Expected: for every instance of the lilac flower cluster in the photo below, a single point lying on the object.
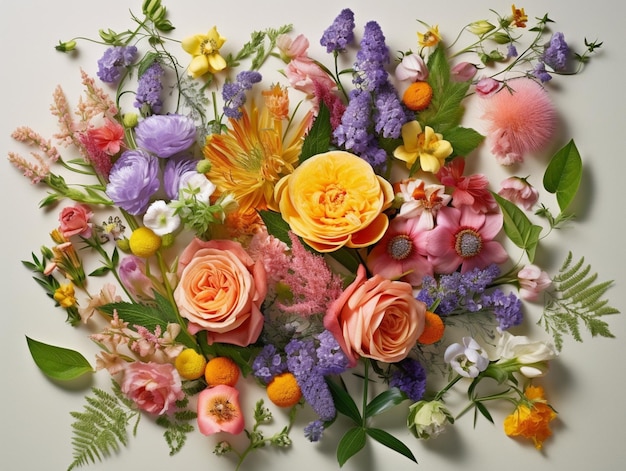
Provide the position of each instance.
(149, 87)
(234, 93)
(113, 60)
(506, 308)
(554, 56)
(410, 378)
(268, 363)
(374, 109)
(341, 33)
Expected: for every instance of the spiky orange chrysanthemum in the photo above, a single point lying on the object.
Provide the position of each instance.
(249, 158)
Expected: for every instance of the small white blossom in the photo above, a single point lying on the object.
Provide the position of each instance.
(467, 359)
(161, 219)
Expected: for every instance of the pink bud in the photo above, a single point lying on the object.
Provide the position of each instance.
(487, 86)
(463, 71)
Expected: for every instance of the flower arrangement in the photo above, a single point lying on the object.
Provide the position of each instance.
(302, 232)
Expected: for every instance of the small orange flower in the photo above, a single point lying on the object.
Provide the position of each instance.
(277, 101)
(433, 329)
(418, 96)
(221, 370)
(519, 17)
(531, 419)
(284, 390)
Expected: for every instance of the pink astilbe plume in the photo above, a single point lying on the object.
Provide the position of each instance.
(521, 119)
(96, 102)
(61, 109)
(313, 285)
(40, 168)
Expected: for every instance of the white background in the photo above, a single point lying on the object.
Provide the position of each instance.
(586, 385)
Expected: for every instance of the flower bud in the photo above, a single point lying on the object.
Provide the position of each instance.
(66, 46)
(480, 28)
(203, 166)
(130, 120)
(427, 419)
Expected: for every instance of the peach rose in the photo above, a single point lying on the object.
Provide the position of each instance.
(75, 220)
(154, 387)
(221, 290)
(376, 318)
(333, 200)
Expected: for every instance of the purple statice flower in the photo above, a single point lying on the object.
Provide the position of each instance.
(176, 170)
(353, 133)
(301, 362)
(149, 87)
(268, 363)
(371, 59)
(330, 357)
(313, 431)
(410, 378)
(133, 179)
(341, 33)
(556, 53)
(506, 308)
(234, 93)
(540, 72)
(113, 60)
(165, 135)
(389, 113)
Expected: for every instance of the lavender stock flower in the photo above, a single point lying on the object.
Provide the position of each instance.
(341, 33)
(410, 378)
(234, 93)
(555, 55)
(133, 180)
(149, 87)
(165, 135)
(114, 59)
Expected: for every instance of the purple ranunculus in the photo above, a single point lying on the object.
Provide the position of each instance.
(165, 135)
(134, 178)
(113, 59)
(174, 172)
(557, 52)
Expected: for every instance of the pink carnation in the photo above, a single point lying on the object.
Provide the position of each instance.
(154, 387)
(74, 220)
(521, 119)
(519, 191)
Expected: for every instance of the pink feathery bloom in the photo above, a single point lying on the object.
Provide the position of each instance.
(61, 109)
(521, 119)
(519, 191)
(488, 86)
(97, 101)
(40, 169)
(74, 220)
(332, 101)
(470, 190)
(273, 254)
(532, 282)
(312, 284)
(401, 253)
(421, 201)
(463, 71)
(153, 387)
(219, 410)
(464, 238)
(99, 160)
(108, 138)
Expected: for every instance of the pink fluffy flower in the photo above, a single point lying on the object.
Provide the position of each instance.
(154, 387)
(464, 238)
(219, 410)
(470, 190)
(532, 281)
(401, 253)
(521, 119)
(519, 191)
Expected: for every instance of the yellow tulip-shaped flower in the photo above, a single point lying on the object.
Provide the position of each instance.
(426, 145)
(205, 51)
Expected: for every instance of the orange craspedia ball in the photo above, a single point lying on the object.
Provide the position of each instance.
(433, 329)
(221, 370)
(284, 391)
(418, 96)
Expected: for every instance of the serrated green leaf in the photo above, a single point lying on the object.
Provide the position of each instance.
(518, 227)
(385, 438)
(384, 401)
(463, 140)
(344, 402)
(350, 444)
(563, 174)
(58, 362)
(317, 140)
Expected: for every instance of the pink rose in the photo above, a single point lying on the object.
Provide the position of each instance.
(221, 290)
(376, 318)
(154, 387)
(74, 220)
(519, 191)
(303, 73)
(532, 282)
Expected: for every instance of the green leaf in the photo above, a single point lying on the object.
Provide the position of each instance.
(384, 401)
(317, 140)
(57, 362)
(463, 140)
(276, 226)
(344, 402)
(518, 227)
(385, 438)
(350, 444)
(563, 174)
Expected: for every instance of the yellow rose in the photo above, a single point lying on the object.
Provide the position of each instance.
(333, 200)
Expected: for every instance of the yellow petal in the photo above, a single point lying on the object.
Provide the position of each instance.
(216, 62)
(401, 153)
(410, 131)
(430, 163)
(198, 66)
(191, 44)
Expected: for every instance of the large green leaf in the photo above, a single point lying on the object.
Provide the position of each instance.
(518, 227)
(344, 402)
(384, 401)
(58, 362)
(463, 140)
(318, 138)
(381, 436)
(276, 226)
(563, 174)
(350, 444)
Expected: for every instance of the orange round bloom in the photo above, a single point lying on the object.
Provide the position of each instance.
(284, 390)
(221, 370)
(333, 200)
(532, 418)
(418, 96)
(433, 329)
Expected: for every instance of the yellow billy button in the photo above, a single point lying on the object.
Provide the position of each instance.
(284, 391)
(190, 364)
(221, 370)
(144, 243)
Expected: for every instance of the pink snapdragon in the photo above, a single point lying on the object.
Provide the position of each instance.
(154, 387)
(533, 281)
(519, 191)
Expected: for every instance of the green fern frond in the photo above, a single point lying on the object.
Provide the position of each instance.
(102, 427)
(577, 299)
(177, 426)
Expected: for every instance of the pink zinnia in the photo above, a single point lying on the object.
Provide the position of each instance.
(401, 253)
(521, 119)
(464, 238)
(470, 190)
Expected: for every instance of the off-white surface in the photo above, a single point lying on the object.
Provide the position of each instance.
(586, 385)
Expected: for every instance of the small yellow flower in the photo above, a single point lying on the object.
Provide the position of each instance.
(426, 145)
(519, 17)
(64, 295)
(205, 52)
(144, 242)
(190, 364)
(430, 37)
